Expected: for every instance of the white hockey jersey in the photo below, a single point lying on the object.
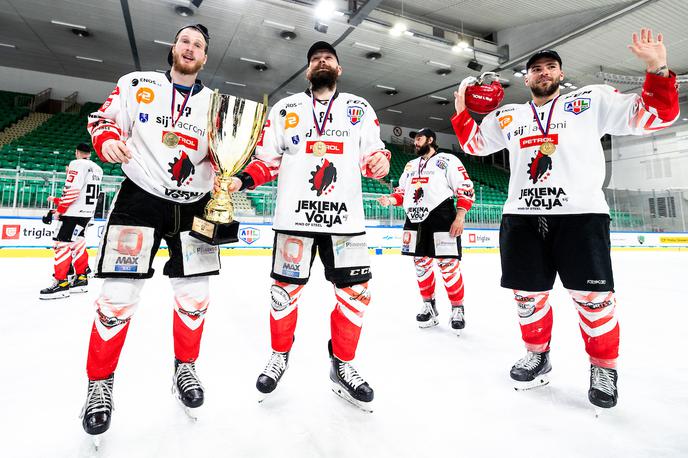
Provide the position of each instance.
(318, 191)
(139, 112)
(425, 184)
(81, 189)
(570, 180)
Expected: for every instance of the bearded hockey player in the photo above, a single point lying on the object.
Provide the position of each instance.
(433, 227)
(154, 124)
(556, 219)
(319, 142)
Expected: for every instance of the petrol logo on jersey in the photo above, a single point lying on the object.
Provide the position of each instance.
(332, 147)
(355, 114)
(182, 169)
(184, 140)
(323, 178)
(577, 106)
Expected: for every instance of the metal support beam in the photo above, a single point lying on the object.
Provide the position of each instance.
(363, 12)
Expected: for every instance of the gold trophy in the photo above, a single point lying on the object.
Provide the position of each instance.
(234, 126)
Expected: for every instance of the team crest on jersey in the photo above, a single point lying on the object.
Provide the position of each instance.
(355, 114)
(418, 195)
(441, 164)
(182, 169)
(295, 139)
(539, 168)
(323, 178)
(143, 117)
(577, 106)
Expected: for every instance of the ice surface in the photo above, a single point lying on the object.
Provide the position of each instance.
(436, 394)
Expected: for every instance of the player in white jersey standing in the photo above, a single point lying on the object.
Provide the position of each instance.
(74, 211)
(155, 125)
(434, 224)
(556, 219)
(319, 142)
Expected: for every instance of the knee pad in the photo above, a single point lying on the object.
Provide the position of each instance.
(284, 298)
(191, 295)
(118, 300)
(532, 305)
(423, 266)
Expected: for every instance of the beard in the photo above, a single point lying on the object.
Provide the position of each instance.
(185, 69)
(423, 149)
(546, 91)
(323, 77)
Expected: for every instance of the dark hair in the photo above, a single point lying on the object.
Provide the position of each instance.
(84, 148)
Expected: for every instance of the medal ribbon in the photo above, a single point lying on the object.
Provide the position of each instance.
(318, 128)
(181, 110)
(545, 132)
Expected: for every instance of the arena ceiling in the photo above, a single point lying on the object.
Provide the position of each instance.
(126, 35)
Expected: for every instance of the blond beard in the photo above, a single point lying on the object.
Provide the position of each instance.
(185, 69)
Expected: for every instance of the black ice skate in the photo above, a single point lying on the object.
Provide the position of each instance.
(602, 392)
(187, 387)
(531, 371)
(457, 322)
(58, 290)
(98, 408)
(271, 375)
(79, 284)
(348, 384)
(428, 315)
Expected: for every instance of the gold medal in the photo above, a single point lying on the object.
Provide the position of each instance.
(170, 139)
(417, 184)
(319, 149)
(548, 148)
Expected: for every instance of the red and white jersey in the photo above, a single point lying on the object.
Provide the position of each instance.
(318, 191)
(81, 189)
(139, 112)
(570, 180)
(425, 184)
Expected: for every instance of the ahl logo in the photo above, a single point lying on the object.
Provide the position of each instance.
(249, 234)
(181, 169)
(143, 117)
(323, 178)
(11, 231)
(577, 106)
(355, 114)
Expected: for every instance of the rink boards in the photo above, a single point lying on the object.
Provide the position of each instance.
(28, 236)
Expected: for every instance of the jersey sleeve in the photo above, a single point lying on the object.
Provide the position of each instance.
(264, 167)
(110, 120)
(656, 108)
(398, 194)
(478, 140)
(370, 142)
(461, 184)
(75, 181)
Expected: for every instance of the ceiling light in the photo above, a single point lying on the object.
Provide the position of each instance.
(434, 63)
(386, 87)
(435, 118)
(438, 97)
(391, 92)
(260, 67)
(235, 84)
(443, 102)
(561, 87)
(164, 43)
(394, 111)
(524, 71)
(160, 71)
(90, 59)
(7, 45)
(287, 35)
(253, 61)
(373, 55)
(291, 93)
(183, 11)
(573, 87)
(277, 25)
(324, 10)
(67, 24)
(320, 27)
(443, 71)
(365, 46)
(81, 33)
(518, 74)
(398, 29)
(567, 84)
(460, 45)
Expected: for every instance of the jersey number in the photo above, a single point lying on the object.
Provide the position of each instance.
(92, 192)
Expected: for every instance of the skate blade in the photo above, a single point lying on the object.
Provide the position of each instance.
(428, 324)
(260, 397)
(342, 393)
(91, 446)
(47, 297)
(79, 289)
(537, 382)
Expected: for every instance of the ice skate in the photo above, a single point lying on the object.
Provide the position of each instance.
(531, 371)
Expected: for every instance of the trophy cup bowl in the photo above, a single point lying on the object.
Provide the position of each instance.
(234, 126)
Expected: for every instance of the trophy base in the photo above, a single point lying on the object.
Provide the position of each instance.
(214, 233)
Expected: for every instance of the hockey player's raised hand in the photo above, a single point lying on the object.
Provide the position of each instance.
(460, 94)
(376, 166)
(649, 50)
(115, 151)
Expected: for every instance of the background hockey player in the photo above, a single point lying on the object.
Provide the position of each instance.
(74, 210)
(319, 142)
(556, 219)
(434, 224)
(155, 125)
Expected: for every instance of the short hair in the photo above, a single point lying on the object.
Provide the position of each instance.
(84, 148)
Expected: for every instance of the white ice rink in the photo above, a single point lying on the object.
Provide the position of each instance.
(436, 395)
